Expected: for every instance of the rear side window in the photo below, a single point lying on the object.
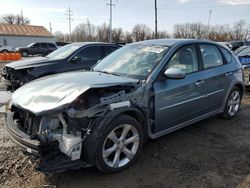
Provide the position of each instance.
(43, 45)
(227, 54)
(109, 49)
(51, 45)
(211, 56)
(92, 53)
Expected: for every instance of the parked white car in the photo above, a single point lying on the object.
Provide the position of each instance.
(6, 48)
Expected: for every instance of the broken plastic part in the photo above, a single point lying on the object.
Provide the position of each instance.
(119, 105)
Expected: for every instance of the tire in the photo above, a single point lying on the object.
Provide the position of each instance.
(5, 51)
(24, 53)
(115, 152)
(233, 103)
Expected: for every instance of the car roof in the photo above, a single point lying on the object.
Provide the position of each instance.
(173, 42)
(93, 43)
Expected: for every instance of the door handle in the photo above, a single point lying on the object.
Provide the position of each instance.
(228, 73)
(199, 82)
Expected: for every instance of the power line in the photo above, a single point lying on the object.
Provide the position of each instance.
(69, 17)
(156, 34)
(194, 7)
(110, 4)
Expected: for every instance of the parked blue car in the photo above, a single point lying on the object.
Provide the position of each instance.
(142, 91)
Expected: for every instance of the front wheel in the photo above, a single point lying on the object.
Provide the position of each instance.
(233, 103)
(119, 145)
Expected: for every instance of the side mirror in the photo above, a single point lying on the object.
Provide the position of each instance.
(175, 73)
(75, 59)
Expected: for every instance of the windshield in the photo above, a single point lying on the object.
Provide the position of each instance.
(64, 51)
(135, 60)
(30, 45)
(245, 52)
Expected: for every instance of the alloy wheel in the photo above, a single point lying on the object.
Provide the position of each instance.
(120, 146)
(234, 103)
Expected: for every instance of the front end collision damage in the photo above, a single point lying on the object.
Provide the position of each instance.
(60, 134)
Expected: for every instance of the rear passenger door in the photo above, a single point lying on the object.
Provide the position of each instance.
(215, 79)
(43, 48)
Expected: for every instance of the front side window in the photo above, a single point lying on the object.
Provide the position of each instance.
(211, 56)
(35, 45)
(91, 53)
(134, 60)
(65, 51)
(186, 59)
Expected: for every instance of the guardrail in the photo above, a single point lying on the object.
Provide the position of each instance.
(10, 56)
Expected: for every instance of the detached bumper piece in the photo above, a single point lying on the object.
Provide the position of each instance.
(60, 164)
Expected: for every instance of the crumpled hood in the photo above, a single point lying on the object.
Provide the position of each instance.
(32, 62)
(52, 92)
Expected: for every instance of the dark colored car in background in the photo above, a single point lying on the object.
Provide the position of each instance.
(236, 44)
(39, 48)
(71, 57)
(143, 90)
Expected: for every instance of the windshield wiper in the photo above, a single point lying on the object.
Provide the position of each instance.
(106, 72)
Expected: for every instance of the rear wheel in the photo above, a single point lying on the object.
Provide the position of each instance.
(119, 145)
(233, 103)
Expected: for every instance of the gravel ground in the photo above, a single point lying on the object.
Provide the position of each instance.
(211, 153)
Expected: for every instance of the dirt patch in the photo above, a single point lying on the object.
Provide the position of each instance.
(212, 153)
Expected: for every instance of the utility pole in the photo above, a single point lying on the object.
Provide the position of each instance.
(156, 34)
(208, 22)
(50, 27)
(88, 25)
(22, 17)
(110, 4)
(69, 17)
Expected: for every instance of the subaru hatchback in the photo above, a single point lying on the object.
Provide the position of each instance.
(142, 91)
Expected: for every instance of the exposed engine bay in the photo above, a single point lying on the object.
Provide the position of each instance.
(64, 132)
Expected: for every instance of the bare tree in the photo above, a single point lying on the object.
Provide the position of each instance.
(117, 35)
(59, 36)
(239, 29)
(14, 19)
(141, 32)
(128, 37)
(103, 33)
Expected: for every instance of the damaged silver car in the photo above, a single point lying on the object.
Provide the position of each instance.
(143, 90)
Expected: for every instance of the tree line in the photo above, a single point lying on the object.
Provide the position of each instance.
(88, 32)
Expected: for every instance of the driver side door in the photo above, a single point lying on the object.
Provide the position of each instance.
(179, 100)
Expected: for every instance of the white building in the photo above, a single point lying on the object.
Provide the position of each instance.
(22, 35)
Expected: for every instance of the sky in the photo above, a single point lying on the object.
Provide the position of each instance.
(127, 13)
